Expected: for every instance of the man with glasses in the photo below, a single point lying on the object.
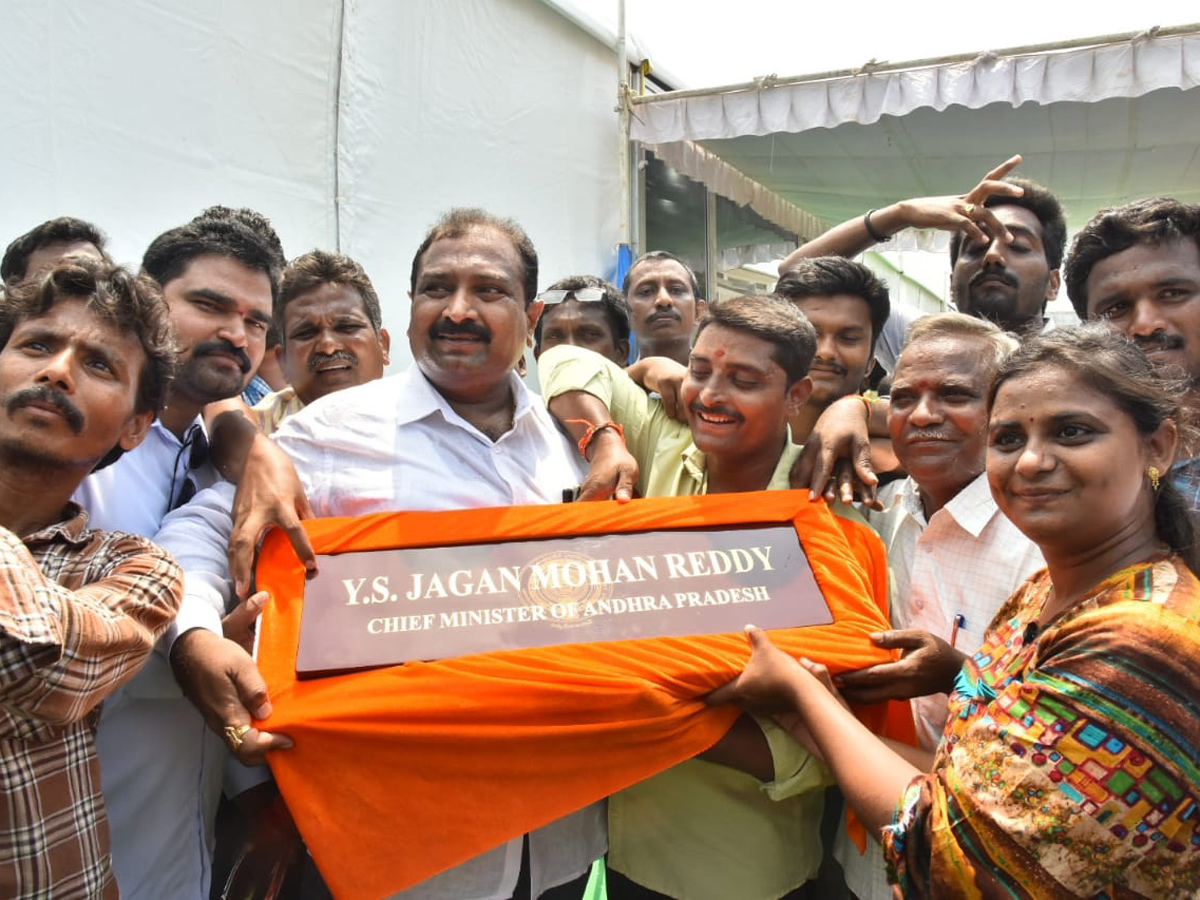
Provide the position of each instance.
(584, 311)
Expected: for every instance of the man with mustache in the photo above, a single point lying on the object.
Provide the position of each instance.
(86, 355)
(848, 306)
(333, 336)
(1006, 245)
(953, 557)
(747, 377)
(1137, 267)
(161, 769)
(664, 302)
(457, 430)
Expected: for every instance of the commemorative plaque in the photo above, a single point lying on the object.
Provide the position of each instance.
(384, 607)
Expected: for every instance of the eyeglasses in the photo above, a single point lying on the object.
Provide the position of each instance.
(583, 295)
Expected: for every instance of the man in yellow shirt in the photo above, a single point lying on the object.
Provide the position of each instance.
(702, 830)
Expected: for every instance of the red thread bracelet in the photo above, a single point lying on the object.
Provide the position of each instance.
(593, 429)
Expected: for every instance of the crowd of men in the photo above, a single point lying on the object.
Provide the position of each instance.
(135, 483)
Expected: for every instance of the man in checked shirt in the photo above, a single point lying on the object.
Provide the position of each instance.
(85, 357)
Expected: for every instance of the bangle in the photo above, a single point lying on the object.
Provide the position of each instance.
(593, 429)
(875, 235)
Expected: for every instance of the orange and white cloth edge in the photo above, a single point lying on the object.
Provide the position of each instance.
(402, 772)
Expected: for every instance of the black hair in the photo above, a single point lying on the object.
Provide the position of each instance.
(1155, 220)
(1114, 367)
(661, 255)
(1044, 205)
(169, 255)
(774, 319)
(460, 222)
(132, 303)
(63, 230)
(616, 310)
(318, 267)
(828, 276)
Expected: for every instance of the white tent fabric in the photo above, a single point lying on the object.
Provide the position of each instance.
(1128, 68)
(351, 125)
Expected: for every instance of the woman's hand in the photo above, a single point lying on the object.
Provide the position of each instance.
(793, 723)
(768, 683)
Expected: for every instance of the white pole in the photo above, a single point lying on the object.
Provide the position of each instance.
(623, 118)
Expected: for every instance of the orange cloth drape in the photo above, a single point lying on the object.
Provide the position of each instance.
(401, 772)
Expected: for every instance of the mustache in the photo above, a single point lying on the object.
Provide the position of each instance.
(667, 313)
(53, 396)
(1159, 340)
(318, 359)
(211, 348)
(1003, 274)
(467, 328)
(829, 365)
(698, 407)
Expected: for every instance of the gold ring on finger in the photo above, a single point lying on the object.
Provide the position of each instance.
(234, 736)
(970, 209)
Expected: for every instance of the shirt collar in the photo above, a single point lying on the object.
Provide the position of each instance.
(695, 464)
(72, 528)
(972, 507)
(416, 397)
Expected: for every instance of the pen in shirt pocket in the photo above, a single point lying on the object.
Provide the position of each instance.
(960, 621)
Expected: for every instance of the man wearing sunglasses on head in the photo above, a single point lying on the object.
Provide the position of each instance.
(584, 311)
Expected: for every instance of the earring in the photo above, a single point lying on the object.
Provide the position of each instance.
(1155, 477)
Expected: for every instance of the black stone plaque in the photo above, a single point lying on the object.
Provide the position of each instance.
(383, 607)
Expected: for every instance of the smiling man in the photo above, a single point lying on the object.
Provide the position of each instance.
(664, 301)
(953, 557)
(848, 306)
(701, 830)
(85, 359)
(457, 430)
(333, 336)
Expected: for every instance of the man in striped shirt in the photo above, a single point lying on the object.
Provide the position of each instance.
(85, 357)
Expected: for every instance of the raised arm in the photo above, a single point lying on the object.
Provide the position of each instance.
(956, 212)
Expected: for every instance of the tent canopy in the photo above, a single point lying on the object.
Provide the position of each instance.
(1099, 120)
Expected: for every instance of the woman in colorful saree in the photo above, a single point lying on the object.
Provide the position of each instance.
(1071, 762)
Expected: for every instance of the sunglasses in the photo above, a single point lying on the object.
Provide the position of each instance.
(583, 295)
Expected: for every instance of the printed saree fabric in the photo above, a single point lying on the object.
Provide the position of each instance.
(1071, 762)
(401, 772)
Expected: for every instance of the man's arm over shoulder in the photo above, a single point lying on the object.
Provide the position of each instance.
(63, 651)
(565, 369)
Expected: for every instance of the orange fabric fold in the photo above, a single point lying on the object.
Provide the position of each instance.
(401, 772)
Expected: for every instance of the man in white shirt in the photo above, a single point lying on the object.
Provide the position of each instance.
(953, 557)
(458, 429)
(160, 767)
